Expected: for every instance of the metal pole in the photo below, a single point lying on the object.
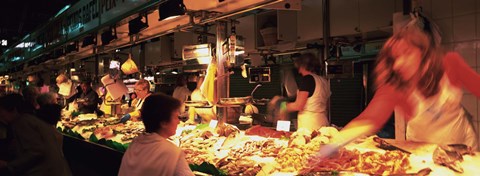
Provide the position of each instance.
(326, 43)
(222, 80)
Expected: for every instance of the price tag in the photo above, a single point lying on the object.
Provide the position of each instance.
(213, 124)
(283, 125)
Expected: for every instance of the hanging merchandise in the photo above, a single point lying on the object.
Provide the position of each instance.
(129, 66)
(115, 87)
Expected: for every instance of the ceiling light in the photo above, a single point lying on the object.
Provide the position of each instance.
(136, 25)
(171, 9)
(89, 40)
(108, 35)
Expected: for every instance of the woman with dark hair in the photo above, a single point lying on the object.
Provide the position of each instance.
(423, 85)
(152, 153)
(312, 95)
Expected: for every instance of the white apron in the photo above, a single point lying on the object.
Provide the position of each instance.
(314, 114)
(441, 119)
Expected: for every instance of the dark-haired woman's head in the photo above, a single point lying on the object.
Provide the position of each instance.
(306, 63)
(410, 58)
(10, 106)
(50, 113)
(160, 114)
(181, 81)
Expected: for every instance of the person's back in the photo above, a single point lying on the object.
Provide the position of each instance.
(150, 154)
(38, 150)
(34, 148)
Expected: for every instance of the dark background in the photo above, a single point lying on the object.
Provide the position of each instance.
(20, 17)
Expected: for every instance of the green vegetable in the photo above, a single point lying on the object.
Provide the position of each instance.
(208, 169)
(75, 114)
(202, 126)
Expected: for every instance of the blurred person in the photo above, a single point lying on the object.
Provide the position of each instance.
(46, 98)
(421, 83)
(142, 91)
(312, 95)
(206, 114)
(34, 149)
(152, 153)
(88, 99)
(30, 94)
(181, 92)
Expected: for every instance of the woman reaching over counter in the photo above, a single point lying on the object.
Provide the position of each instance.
(416, 79)
(152, 153)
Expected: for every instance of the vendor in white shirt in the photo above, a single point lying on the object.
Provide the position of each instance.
(142, 90)
(181, 92)
(312, 96)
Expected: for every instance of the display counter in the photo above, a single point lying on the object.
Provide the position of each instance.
(258, 150)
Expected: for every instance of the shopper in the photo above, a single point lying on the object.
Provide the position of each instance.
(152, 153)
(35, 150)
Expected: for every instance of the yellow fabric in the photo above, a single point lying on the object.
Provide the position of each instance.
(208, 86)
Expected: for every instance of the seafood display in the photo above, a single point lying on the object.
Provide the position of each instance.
(390, 162)
(264, 151)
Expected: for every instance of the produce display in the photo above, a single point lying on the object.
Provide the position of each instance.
(258, 150)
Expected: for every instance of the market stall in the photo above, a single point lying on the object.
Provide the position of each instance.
(265, 151)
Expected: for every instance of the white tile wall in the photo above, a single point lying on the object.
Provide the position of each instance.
(446, 29)
(441, 8)
(427, 7)
(468, 51)
(459, 21)
(462, 7)
(464, 28)
(478, 53)
(477, 24)
(478, 6)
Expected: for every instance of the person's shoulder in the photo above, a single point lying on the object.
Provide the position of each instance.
(451, 58)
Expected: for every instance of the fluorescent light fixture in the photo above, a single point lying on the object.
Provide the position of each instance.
(25, 45)
(204, 60)
(149, 78)
(37, 47)
(239, 53)
(16, 58)
(62, 10)
(202, 53)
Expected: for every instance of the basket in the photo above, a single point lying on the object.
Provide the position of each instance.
(269, 35)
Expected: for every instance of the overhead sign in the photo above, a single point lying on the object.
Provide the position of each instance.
(88, 14)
